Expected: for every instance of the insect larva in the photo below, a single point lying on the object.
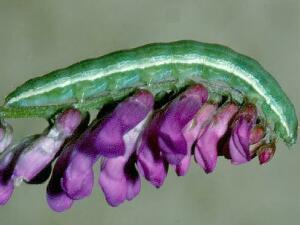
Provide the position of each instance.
(156, 67)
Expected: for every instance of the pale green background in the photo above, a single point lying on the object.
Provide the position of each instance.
(39, 36)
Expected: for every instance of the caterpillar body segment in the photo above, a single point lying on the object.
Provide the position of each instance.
(158, 68)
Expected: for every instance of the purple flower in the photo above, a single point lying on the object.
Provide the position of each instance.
(239, 142)
(191, 133)
(78, 176)
(5, 135)
(108, 139)
(150, 162)
(206, 152)
(57, 199)
(265, 153)
(174, 118)
(6, 184)
(119, 178)
(6, 191)
(7, 165)
(67, 122)
(42, 151)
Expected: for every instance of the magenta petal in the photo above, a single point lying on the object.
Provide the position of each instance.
(206, 152)
(152, 166)
(128, 116)
(132, 178)
(7, 166)
(68, 121)
(133, 186)
(107, 138)
(182, 168)
(191, 132)
(5, 135)
(43, 150)
(239, 152)
(35, 159)
(57, 199)
(174, 118)
(266, 153)
(6, 191)
(6, 183)
(239, 142)
(77, 175)
(113, 181)
(78, 178)
(119, 178)
(75, 169)
(150, 162)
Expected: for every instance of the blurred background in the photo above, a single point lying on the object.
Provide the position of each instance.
(37, 37)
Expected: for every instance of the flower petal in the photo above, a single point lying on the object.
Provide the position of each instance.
(132, 178)
(206, 152)
(113, 180)
(119, 181)
(119, 178)
(266, 153)
(7, 165)
(150, 161)
(239, 142)
(6, 183)
(78, 177)
(57, 199)
(125, 118)
(43, 150)
(6, 191)
(68, 121)
(192, 131)
(42, 176)
(107, 138)
(174, 118)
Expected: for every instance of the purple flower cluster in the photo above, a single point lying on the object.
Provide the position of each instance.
(133, 140)
(27, 160)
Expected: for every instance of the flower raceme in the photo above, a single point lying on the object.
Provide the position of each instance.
(133, 140)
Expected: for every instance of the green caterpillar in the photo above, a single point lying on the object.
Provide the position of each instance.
(159, 68)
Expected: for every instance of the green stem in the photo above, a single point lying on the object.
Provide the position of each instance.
(40, 111)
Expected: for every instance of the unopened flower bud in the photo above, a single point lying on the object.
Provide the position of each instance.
(265, 153)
